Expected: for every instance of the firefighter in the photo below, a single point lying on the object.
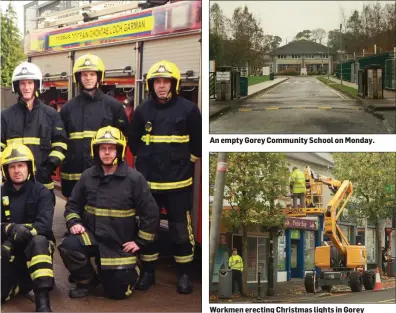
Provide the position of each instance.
(26, 229)
(100, 216)
(84, 115)
(297, 187)
(166, 138)
(34, 124)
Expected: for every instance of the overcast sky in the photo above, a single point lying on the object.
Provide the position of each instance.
(286, 18)
(18, 7)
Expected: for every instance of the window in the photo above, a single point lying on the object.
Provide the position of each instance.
(309, 252)
(281, 253)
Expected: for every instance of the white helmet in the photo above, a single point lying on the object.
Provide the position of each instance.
(26, 70)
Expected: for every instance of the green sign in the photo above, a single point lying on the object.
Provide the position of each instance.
(295, 234)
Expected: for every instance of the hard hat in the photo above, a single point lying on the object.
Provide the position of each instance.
(163, 69)
(88, 62)
(17, 152)
(26, 70)
(109, 135)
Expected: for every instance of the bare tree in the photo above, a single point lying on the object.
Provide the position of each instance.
(318, 34)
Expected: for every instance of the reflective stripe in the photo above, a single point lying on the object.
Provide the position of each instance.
(6, 247)
(44, 272)
(129, 291)
(148, 258)
(147, 236)
(25, 140)
(86, 239)
(3, 145)
(109, 212)
(41, 258)
(75, 176)
(190, 231)
(165, 139)
(166, 186)
(16, 290)
(59, 144)
(8, 226)
(57, 154)
(72, 215)
(118, 261)
(81, 135)
(7, 212)
(33, 232)
(193, 158)
(49, 186)
(184, 259)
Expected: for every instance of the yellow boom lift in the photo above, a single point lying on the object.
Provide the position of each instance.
(340, 262)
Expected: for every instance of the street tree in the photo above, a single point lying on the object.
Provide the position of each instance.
(254, 182)
(11, 50)
(318, 35)
(373, 178)
(217, 34)
(305, 34)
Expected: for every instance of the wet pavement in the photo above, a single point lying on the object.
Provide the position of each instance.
(300, 105)
(162, 297)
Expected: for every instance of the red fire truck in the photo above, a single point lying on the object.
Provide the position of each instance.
(129, 40)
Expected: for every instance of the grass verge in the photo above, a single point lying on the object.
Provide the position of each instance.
(346, 90)
(252, 80)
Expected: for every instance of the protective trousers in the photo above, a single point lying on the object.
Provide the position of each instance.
(26, 267)
(117, 284)
(178, 205)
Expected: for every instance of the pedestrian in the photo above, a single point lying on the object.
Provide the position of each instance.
(27, 240)
(236, 264)
(34, 124)
(166, 138)
(84, 115)
(101, 218)
(297, 187)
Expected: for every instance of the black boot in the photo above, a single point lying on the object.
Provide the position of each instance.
(146, 280)
(82, 290)
(42, 300)
(184, 284)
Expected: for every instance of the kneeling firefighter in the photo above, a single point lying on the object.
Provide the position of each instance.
(100, 215)
(27, 240)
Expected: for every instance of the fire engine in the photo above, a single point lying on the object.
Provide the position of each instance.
(129, 37)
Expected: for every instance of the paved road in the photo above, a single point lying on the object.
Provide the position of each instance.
(365, 297)
(160, 298)
(301, 105)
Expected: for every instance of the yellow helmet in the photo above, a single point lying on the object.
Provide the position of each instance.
(17, 152)
(110, 135)
(163, 69)
(88, 62)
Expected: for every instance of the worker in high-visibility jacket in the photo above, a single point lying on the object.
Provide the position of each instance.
(166, 138)
(101, 217)
(34, 124)
(235, 263)
(27, 240)
(297, 187)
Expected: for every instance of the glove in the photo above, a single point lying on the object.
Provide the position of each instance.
(43, 174)
(19, 234)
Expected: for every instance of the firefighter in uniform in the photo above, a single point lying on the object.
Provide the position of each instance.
(84, 115)
(27, 241)
(34, 124)
(166, 138)
(100, 215)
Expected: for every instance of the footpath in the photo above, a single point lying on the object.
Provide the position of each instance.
(292, 291)
(216, 108)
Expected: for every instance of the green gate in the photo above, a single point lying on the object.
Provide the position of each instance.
(390, 74)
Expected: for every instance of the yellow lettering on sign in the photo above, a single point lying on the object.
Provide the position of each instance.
(130, 27)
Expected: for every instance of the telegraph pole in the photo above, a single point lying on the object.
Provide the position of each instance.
(217, 210)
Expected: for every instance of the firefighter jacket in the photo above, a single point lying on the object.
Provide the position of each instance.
(83, 116)
(166, 140)
(42, 130)
(297, 179)
(107, 205)
(235, 263)
(31, 205)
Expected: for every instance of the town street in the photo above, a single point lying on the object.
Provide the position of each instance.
(300, 105)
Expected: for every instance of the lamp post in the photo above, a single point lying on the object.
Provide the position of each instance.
(341, 51)
(328, 66)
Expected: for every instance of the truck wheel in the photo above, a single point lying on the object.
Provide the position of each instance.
(356, 281)
(311, 283)
(369, 280)
(327, 288)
